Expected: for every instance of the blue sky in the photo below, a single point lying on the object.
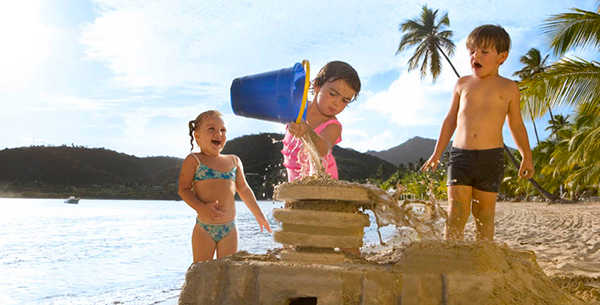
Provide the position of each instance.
(129, 75)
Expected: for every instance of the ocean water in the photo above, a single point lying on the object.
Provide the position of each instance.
(109, 251)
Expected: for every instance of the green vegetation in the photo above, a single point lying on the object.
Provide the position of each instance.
(567, 162)
(59, 172)
(569, 157)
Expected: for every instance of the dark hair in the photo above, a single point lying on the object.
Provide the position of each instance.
(335, 70)
(489, 35)
(193, 124)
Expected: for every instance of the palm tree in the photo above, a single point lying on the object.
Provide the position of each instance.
(428, 34)
(558, 123)
(570, 81)
(574, 82)
(577, 153)
(430, 38)
(534, 64)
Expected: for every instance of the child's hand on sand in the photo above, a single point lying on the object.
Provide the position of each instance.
(212, 210)
(298, 129)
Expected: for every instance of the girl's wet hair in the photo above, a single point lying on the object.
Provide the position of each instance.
(335, 70)
(193, 124)
(487, 36)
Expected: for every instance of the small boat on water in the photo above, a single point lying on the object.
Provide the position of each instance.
(72, 199)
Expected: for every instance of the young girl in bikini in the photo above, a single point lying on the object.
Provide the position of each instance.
(335, 86)
(208, 182)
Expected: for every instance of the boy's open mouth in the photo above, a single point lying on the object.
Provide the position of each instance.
(477, 65)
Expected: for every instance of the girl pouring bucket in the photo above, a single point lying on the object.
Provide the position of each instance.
(281, 96)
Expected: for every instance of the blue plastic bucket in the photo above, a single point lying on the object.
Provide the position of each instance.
(277, 96)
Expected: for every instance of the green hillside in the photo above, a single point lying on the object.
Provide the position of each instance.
(58, 172)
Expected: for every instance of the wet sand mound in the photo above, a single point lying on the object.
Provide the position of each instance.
(430, 272)
(494, 274)
(423, 272)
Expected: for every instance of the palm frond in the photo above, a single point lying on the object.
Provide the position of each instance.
(435, 64)
(584, 176)
(420, 52)
(445, 21)
(424, 64)
(579, 28)
(573, 82)
(446, 43)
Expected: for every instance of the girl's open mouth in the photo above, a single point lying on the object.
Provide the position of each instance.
(216, 142)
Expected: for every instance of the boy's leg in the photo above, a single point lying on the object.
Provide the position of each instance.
(484, 209)
(203, 246)
(459, 207)
(229, 244)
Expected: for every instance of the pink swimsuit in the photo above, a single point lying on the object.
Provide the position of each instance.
(291, 148)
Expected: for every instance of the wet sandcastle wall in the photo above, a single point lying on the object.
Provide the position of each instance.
(310, 269)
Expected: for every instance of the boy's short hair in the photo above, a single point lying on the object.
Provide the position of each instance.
(335, 70)
(489, 35)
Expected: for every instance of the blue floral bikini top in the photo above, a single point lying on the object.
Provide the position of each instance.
(204, 172)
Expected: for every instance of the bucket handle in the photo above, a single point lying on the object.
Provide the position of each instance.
(306, 65)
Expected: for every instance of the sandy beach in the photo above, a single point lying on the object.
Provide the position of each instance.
(564, 237)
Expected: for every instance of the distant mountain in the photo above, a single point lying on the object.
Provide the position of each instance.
(40, 171)
(357, 166)
(56, 172)
(409, 151)
(79, 166)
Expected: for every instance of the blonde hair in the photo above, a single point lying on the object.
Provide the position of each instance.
(193, 124)
(489, 35)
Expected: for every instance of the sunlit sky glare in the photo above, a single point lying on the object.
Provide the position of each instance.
(129, 75)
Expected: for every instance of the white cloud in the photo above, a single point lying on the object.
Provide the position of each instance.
(160, 44)
(407, 102)
(25, 43)
(362, 139)
(74, 103)
(137, 119)
(412, 101)
(151, 66)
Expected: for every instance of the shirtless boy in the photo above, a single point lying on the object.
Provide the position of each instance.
(480, 103)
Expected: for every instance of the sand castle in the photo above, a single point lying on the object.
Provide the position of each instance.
(320, 217)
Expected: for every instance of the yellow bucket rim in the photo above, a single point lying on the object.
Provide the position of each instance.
(306, 66)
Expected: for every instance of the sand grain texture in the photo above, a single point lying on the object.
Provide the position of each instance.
(564, 237)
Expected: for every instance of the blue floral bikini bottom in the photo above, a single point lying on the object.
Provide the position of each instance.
(217, 231)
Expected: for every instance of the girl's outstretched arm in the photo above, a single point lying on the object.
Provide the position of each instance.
(247, 195)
